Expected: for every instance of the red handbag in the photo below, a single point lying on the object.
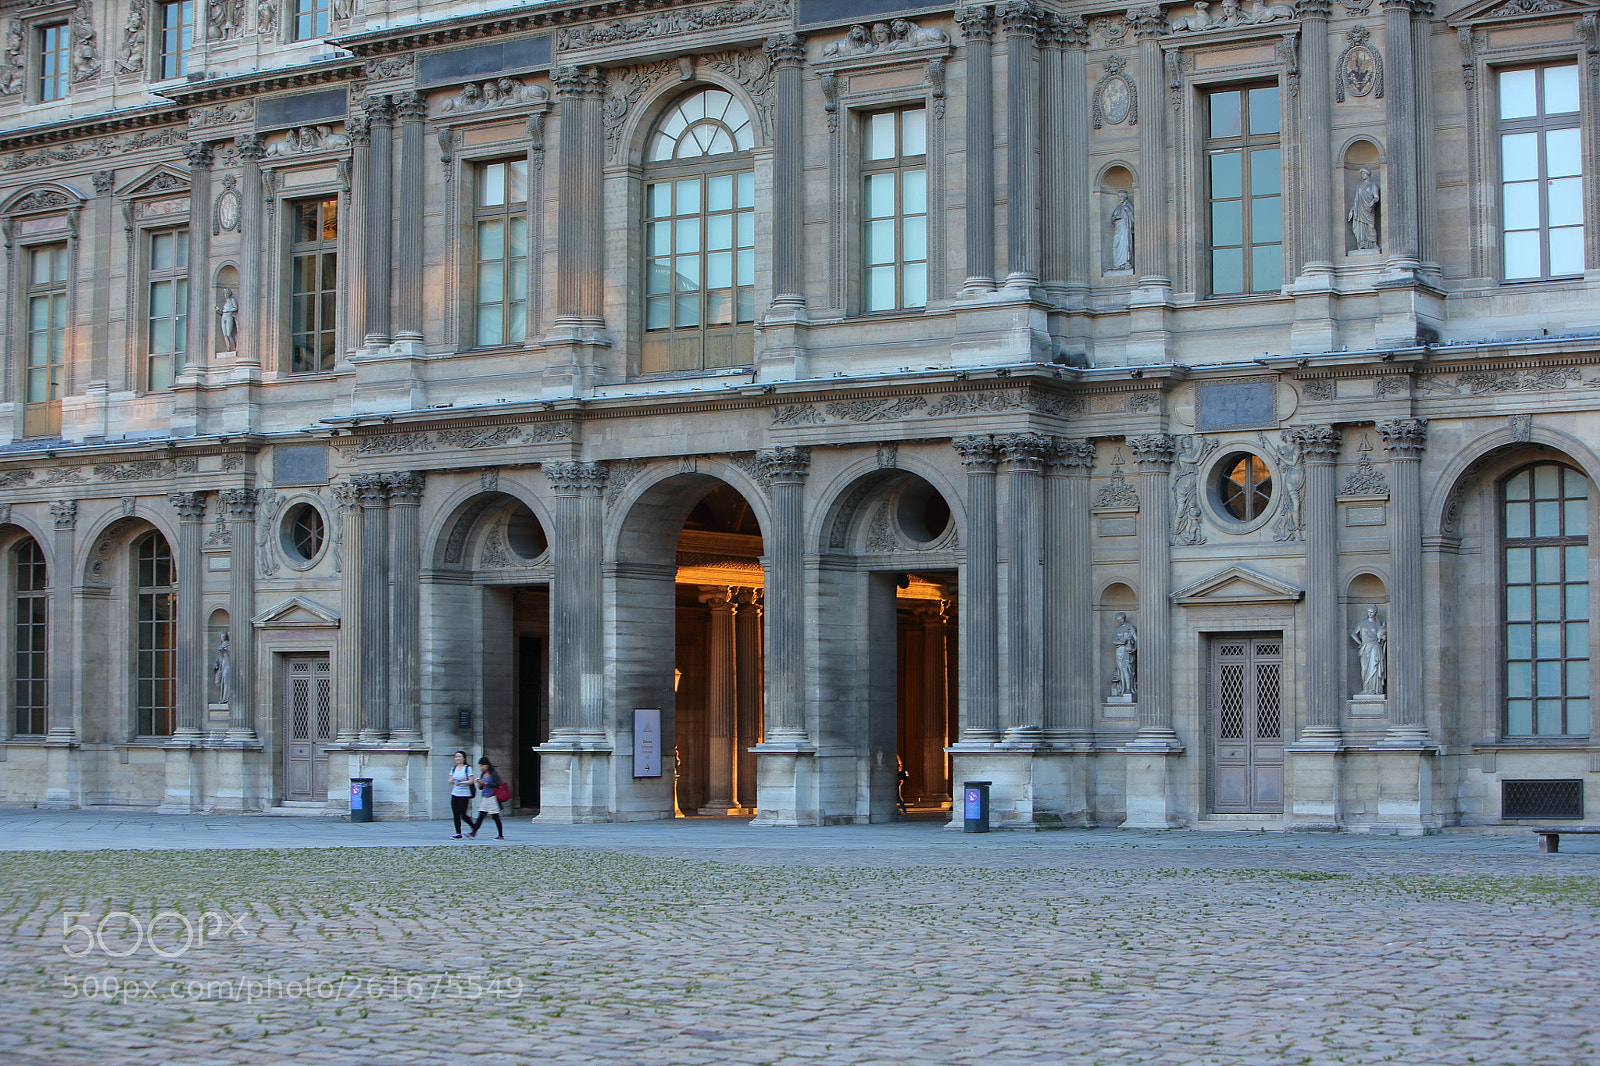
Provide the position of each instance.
(502, 792)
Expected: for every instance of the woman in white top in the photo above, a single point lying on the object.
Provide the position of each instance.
(460, 791)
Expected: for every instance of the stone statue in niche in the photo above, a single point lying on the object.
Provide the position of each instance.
(221, 667)
(228, 318)
(1122, 233)
(1363, 214)
(1125, 645)
(1371, 638)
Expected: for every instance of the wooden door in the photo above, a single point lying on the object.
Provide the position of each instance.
(1247, 724)
(307, 726)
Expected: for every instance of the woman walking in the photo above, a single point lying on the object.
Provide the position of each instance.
(460, 777)
(488, 804)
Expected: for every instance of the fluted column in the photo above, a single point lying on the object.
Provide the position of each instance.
(1069, 667)
(580, 229)
(1405, 439)
(576, 657)
(197, 347)
(405, 499)
(354, 228)
(1022, 459)
(1425, 162)
(1400, 219)
(1152, 456)
(347, 676)
(409, 310)
(1021, 21)
(59, 718)
(980, 593)
(786, 469)
(252, 236)
(1072, 126)
(977, 30)
(747, 668)
(241, 508)
(1325, 655)
(721, 694)
(1154, 258)
(787, 52)
(190, 643)
(1316, 129)
(373, 638)
(1054, 150)
(379, 217)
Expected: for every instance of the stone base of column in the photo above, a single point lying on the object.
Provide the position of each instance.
(183, 779)
(1152, 790)
(783, 345)
(402, 788)
(786, 785)
(574, 784)
(1315, 770)
(1001, 327)
(576, 359)
(1032, 788)
(1149, 325)
(1314, 329)
(239, 779)
(1409, 309)
(1405, 805)
(63, 774)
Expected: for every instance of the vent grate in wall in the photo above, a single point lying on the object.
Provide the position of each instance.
(1541, 799)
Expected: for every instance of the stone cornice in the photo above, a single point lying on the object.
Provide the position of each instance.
(258, 82)
(137, 118)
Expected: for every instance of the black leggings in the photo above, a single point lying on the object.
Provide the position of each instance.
(499, 830)
(458, 809)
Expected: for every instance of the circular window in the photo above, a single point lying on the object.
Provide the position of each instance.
(923, 514)
(303, 533)
(1243, 487)
(525, 536)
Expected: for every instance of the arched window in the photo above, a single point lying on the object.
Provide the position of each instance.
(699, 240)
(156, 675)
(1545, 524)
(29, 685)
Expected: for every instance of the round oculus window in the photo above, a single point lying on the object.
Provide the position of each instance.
(303, 532)
(1243, 487)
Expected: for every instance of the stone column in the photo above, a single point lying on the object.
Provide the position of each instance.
(99, 336)
(379, 219)
(1316, 126)
(1073, 119)
(1325, 652)
(347, 674)
(373, 645)
(1400, 219)
(413, 109)
(1069, 642)
(977, 30)
(1023, 458)
(405, 645)
(60, 721)
(721, 696)
(787, 53)
(1154, 259)
(197, 352)
(1152, 455)
(786, 469)
(1021, 20)
(576, 656)
(241, 508)
(252, 237)
(353, 264)
(935, 700)
(1426, 167)
(980, 593)
(189, 569)
(1405, 439)
(747, 668)
(580, 229)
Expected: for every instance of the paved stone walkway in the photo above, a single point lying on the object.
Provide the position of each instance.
(714, 942)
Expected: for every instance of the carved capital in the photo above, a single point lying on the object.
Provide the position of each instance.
(380, 109)
(191, 506)
(786, 49)
(240, 504)
(716, 597)
(1148, 22)
(359, 130)
(978, 454)
(1076, 456)
(578, 82)
(104, 180)
(977, 23)
(1313, 10)
(1153, 452)
(1404, 438)
(252, 149)
(1020, 18)
(1073, 31)
(1318, 444)
(405, 487)
(412, 107)
(371, 489)
(199, 156)
(785, 466)
(576, 479)
(1023, 452)
(65, 512)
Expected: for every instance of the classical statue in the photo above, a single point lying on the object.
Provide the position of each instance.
(908, 34)
(1125, 639)
(1122, 232)
(855, 42)
(1372, 643)
(1363, 216)
(228, 313)
(221, 666)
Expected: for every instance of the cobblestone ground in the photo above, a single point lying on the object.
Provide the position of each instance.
(1055, 948)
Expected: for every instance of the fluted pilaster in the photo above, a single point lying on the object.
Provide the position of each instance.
(60, 721)
(1022, 457)
(786, 469)
(981, 592)
(240, 505)
(977, 30)
(576, 658)
(1319, 448)
(1400, 217)
(379, 221)
(1152, 456)
(197, 341)
(1154, 258)
(1405, 439)
(405, 498)
(787, 52)
(1316, 129)
(413, 109)
(373, 637)
(190, 644)
(1021, 20)
(1069, 667)
(721, 698)
(252, 238)
(580, 227)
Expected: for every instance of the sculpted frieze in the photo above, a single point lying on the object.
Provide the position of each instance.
(1495, 382)
(305, 139)
(492, 95)
(670, 23)
(1229, 15)
(899, 35)
(95, 149)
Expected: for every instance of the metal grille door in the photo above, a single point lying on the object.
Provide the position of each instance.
(307, 727)
(1247, 725)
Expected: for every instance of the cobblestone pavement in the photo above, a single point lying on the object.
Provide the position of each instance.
(714, 942)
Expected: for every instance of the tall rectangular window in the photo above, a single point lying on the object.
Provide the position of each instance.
(177, 36)
(313, 275)
(53, 62)
(166, 306)
(47, 339)
(1541, 173)
(29, 637)
(894, 209)
(1244, 170)
(157, 668)
(500, 228)
(700, 275)
(310, 19)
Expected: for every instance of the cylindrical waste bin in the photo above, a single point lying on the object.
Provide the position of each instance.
(361, 799)
(975, 806)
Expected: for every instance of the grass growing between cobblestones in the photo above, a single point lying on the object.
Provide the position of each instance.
(576, 955)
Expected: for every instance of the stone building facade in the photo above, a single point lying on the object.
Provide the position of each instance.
(1175, 415)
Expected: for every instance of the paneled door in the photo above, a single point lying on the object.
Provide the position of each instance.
(1247, 724)
(307, 726)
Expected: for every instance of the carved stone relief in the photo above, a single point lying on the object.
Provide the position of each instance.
(494, 94)
(131, 58)
(898, 35)
(1292, 475)
(1116, 96)
(1188, 527)
(1360, 67)
(667, 23)
(304, 139)
(1229, 15)
(14, 73)
(1117, 492)
(224, 19)
(1367, 480)
(95, 149)
(85, 43)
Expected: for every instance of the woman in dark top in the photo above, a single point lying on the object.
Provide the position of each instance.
(488, 781)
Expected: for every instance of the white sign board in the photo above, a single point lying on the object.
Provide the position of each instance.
(646, 742)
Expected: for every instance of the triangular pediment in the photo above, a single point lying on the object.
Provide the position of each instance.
(159, 181)
(1512, 10)
(1237, 585)
(296, 613)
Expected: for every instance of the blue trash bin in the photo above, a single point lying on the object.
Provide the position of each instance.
(975, 806)
(361, 799)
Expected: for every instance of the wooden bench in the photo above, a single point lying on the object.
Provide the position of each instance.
(1550, 839)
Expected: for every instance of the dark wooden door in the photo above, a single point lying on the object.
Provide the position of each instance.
(307, 727)
(1247, 724)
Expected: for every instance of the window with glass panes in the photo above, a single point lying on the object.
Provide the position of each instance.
(1541, 173)
(177, 35)
(894, 209)
(699, 239)
(1245, 190)
(313, 274)
(1545, 510)
(156, 661)
(53, 57)
(310, 19)
(500, 235)
(29, 634)
(166, 306)
(47, 338)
